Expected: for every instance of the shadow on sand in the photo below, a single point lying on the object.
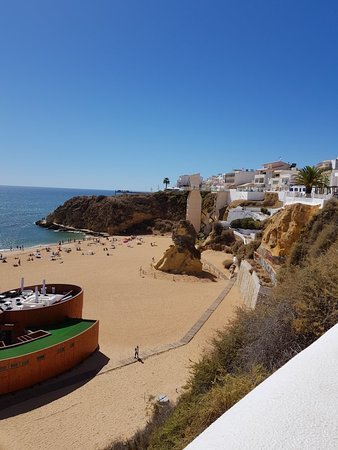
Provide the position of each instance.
(208, 276)
(43, 393)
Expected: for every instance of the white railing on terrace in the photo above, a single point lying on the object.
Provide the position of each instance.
(303, 195)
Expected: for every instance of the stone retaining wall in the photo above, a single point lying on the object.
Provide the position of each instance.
(249, 286)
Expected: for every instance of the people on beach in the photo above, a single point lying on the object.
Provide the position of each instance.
(136, 354)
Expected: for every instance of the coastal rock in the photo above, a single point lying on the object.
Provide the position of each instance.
(219, 239)
(125, 214)
(284, 228)
(182, 257)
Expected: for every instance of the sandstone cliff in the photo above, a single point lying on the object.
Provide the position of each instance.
(182, 257)
(284, 228)
(121, 214)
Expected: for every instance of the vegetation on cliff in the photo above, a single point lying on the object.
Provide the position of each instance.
(122, 214)
(247, 223)
(220, 238)
(257, 342)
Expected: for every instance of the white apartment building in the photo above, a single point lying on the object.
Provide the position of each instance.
(229, 180)
(282, 180)
(238, 177)
(214, 183)
(263, 175)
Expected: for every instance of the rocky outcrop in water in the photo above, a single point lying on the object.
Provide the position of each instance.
(129, 214)
(182, 257)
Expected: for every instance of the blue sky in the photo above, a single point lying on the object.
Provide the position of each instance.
(118, 94)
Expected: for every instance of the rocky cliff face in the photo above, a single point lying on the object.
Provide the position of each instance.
(284, 228)
(120, 214)
(182, 257)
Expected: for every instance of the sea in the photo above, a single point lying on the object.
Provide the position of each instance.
(21, 207)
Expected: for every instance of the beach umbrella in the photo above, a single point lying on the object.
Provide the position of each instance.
(36, 295)
(22, 284)
(43, 290)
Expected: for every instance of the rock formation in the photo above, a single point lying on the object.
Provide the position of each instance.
(182, 257)
(130, 214)
(219, 239)
(284, 228)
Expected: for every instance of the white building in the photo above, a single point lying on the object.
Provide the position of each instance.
(184, 181)
(214, 183)
(282, 180)
(238, 177)
(263, 175)
(331, 166)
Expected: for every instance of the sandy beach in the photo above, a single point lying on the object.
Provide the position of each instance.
(136, 305)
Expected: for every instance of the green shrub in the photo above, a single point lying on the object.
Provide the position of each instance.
(265, 211)
(247, 224)
(217, 228)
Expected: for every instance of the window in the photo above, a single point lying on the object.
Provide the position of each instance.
(61, 350)
(40, 358)
(2, 368)
(14, 365)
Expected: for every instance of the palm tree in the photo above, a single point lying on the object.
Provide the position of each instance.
(166, 181)
(310, 177)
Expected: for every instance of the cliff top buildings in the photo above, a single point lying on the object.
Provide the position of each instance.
(275, 176)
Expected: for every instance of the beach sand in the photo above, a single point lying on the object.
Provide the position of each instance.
(135, 305)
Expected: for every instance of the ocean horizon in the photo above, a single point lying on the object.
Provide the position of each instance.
(22, 206)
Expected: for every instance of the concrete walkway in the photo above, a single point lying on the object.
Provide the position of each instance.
(185, 339)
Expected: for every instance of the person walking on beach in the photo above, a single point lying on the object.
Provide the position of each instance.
(136, 355)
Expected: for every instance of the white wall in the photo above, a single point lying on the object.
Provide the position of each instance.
(248, 283)
(239, 213)
(296, 408)
(289, 198)
(245, 195)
